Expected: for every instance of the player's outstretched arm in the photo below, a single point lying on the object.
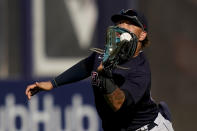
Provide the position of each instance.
(114, 96)
(37, 87)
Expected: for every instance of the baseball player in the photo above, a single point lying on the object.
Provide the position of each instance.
(120, 77)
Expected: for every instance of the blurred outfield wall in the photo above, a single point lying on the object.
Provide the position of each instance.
(172, 57)
(41, 38)
(70, 108)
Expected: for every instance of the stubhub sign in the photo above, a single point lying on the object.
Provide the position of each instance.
(64, 109)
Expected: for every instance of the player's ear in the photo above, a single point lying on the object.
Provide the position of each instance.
(142, 35)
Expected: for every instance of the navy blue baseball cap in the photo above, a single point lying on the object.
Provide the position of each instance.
(133, 16)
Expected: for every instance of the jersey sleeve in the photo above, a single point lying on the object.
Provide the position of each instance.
(77, 72)
(135, 86)
(136, 81)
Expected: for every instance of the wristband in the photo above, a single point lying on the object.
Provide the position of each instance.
(54, 83)
(107, 85)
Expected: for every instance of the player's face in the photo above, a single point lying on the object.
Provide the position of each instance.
(141, 35)
(132, 28)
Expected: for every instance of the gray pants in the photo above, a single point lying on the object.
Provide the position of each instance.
(162, 125)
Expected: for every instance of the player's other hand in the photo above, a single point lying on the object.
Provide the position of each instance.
(37, 87)
(100, 67)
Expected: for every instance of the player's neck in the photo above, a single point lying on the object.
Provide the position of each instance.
(138, 50)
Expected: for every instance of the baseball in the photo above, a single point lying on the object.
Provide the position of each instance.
(125, 36)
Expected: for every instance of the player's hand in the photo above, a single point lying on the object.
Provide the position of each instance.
(100, 67)
(104, 72)
(37, 87)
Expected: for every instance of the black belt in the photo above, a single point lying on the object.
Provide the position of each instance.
(147, 127)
